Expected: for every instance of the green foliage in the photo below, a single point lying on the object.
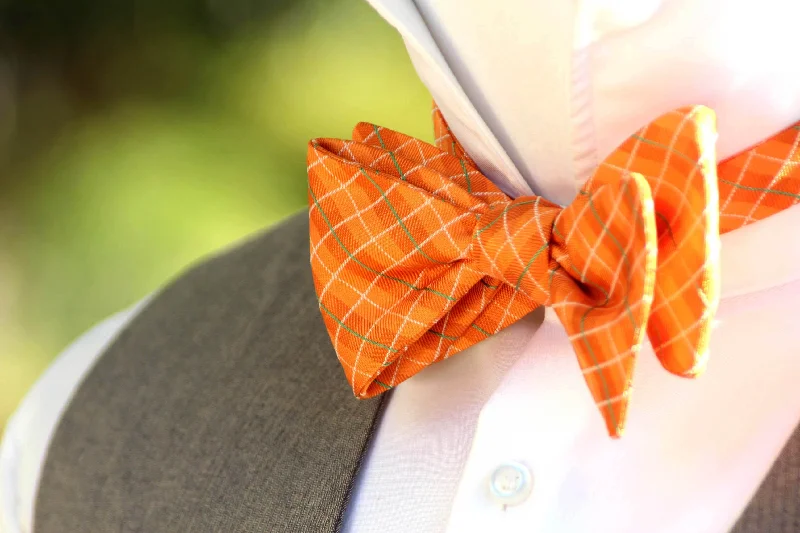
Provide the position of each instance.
(120, 193)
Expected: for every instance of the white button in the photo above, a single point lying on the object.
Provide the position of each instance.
(511, 483)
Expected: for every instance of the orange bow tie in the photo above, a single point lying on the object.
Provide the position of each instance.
(416, 255)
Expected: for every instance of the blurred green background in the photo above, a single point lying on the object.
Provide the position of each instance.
(137, 137)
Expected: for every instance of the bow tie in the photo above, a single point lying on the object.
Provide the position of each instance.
(417, 256)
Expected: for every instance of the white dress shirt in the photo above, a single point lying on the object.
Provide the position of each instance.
(505, 436)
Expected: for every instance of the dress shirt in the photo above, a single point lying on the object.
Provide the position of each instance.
(505, 436)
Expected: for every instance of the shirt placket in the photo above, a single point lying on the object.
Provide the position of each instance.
(525, 433)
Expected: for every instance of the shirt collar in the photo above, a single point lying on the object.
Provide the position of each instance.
(539, 123)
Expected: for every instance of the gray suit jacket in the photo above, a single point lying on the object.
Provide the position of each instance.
(220, 409)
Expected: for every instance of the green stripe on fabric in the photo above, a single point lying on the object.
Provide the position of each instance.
(667, 148)
(625, 259)
(506, 210)
(550, 279)
(442, 335)
(384, 385)
(595, 362)
(357, 334)
(485, 284)
(669, 228)
(591, 283)
(761, 189)
(530, 262)
(464, 168)
(367, 267)
(481, 330)
(400, 220)
(391, 153)
(603, 383)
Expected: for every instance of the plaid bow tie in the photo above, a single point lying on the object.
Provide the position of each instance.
(416, 255)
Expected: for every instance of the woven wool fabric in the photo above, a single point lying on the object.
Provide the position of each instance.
(416, 255)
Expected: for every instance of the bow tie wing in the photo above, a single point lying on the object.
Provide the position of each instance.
(604, 258)
(391, 223)
(676, 154)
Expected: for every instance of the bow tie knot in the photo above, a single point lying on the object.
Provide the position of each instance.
(513, 242)
(526, 242)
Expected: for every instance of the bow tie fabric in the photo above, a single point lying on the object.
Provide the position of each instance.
(417, 256)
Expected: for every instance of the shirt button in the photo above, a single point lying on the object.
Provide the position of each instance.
(511, 483)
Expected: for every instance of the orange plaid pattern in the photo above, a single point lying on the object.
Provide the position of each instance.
(416, 255)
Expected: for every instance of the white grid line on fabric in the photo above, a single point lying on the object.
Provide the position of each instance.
(615, 399)
(386, 230)
(579, 216)
(450, 180)
(537, 217)
(359, 213)
(447, 318)
(606, 326)
(475, 315)
(412, 252)
(593, 247)
(486, 254)
(334, 276)
(449, 237)
(635, 265)
(506, 312)
(665, 164)
(448, 183)
(697, 218)
(343, 185)
(672, 152)
(510, 239)
(397, 333)
(321, 161)
(419, 298)
(375, 280)
(342, 266)
(775, 179)
(363, 296)
(370, 136)
(619, 363)
(742, 172)
(617, 360)
(591, 331)
(689, 281)
(734, 216)
(378, 236)
(633, 307)
(485, 294)
(684, 333)
(344, 221)
(367, 299)
(784, 162)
